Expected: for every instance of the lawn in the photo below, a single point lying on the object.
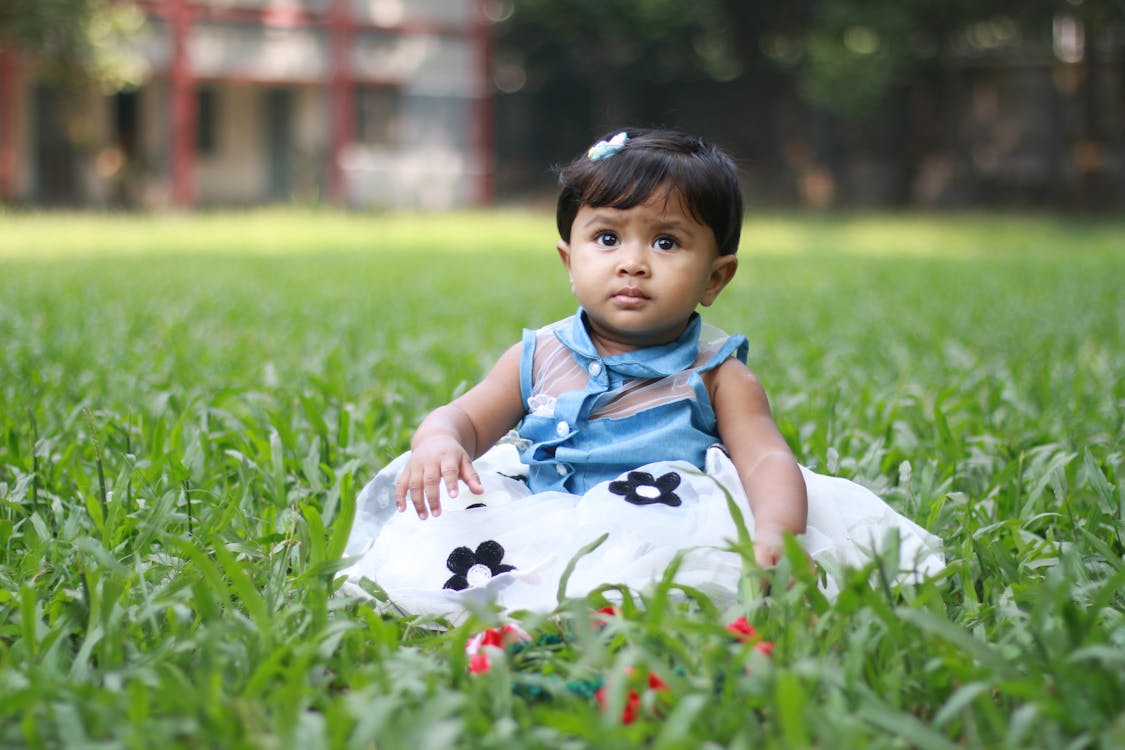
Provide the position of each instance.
(189, 404)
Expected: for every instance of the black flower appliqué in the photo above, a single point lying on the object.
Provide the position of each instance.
(642, 489)
(475, 568)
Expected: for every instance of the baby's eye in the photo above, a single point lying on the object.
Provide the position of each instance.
(606, 239)
(665, 243)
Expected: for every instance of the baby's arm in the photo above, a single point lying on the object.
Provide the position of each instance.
(766, 466)
(451, 436)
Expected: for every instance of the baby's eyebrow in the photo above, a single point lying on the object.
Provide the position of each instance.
(681, 228)
(601, 218)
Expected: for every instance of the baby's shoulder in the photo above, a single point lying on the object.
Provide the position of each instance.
(731, 375)
(716, 347)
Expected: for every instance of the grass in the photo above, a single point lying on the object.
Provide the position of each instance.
(188, 405)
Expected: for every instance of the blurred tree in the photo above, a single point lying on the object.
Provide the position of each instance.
(614, 50)
(845, 56)
(849, 56)
(893, 100)
(71, 41)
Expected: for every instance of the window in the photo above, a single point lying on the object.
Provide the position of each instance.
(206, 121)
(125, 117)
(376, 111)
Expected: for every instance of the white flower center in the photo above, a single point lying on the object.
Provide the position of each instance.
(649, 492)
(478, 575)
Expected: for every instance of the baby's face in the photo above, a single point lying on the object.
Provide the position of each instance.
(640, 272)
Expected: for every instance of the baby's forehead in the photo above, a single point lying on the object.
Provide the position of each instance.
(664, 199)
(660, 212)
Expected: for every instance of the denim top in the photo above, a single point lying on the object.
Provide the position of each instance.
(591, 418)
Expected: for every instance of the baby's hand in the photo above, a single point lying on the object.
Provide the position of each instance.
(769, 549)
(767, 553)
(769, 544)
(438, 459)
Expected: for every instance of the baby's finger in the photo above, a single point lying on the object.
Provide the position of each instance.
(410, 490)
(409, 483)
(450, 472)
(430, 491)
(766, 555)
(401, 488)
(469, 474)
(448, 476)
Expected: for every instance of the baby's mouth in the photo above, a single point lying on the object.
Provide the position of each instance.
(630, 297)
(630, 292)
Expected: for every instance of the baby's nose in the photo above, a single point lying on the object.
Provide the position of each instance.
(632, 261)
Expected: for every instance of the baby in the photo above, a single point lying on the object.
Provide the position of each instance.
(630, 422)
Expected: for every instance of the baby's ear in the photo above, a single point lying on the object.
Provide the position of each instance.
(564, 252)
(564, 255)
(722, 271)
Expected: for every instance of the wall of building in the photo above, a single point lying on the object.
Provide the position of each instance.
(234, 172)
(429, 162)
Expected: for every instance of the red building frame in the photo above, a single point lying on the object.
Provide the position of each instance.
(9, 123)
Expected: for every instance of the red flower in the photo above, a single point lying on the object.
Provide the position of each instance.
(491, 637)
(500, 637)
(479, 663)
(478, 646)
(743, 630)
(601, 617)
(632, 707)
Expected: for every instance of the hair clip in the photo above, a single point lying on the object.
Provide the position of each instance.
(605, 149)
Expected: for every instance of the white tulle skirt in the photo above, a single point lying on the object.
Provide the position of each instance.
(511, 548)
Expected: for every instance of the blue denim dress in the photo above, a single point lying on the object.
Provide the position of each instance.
(577, 437)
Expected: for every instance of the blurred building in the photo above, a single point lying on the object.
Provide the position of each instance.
(358, 102)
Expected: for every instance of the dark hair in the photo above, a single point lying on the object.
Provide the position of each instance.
(703, 176)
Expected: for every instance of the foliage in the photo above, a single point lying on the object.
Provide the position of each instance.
(71, 40)
(846, 57)
(188, 406)
(653, 37)
(855, 52)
